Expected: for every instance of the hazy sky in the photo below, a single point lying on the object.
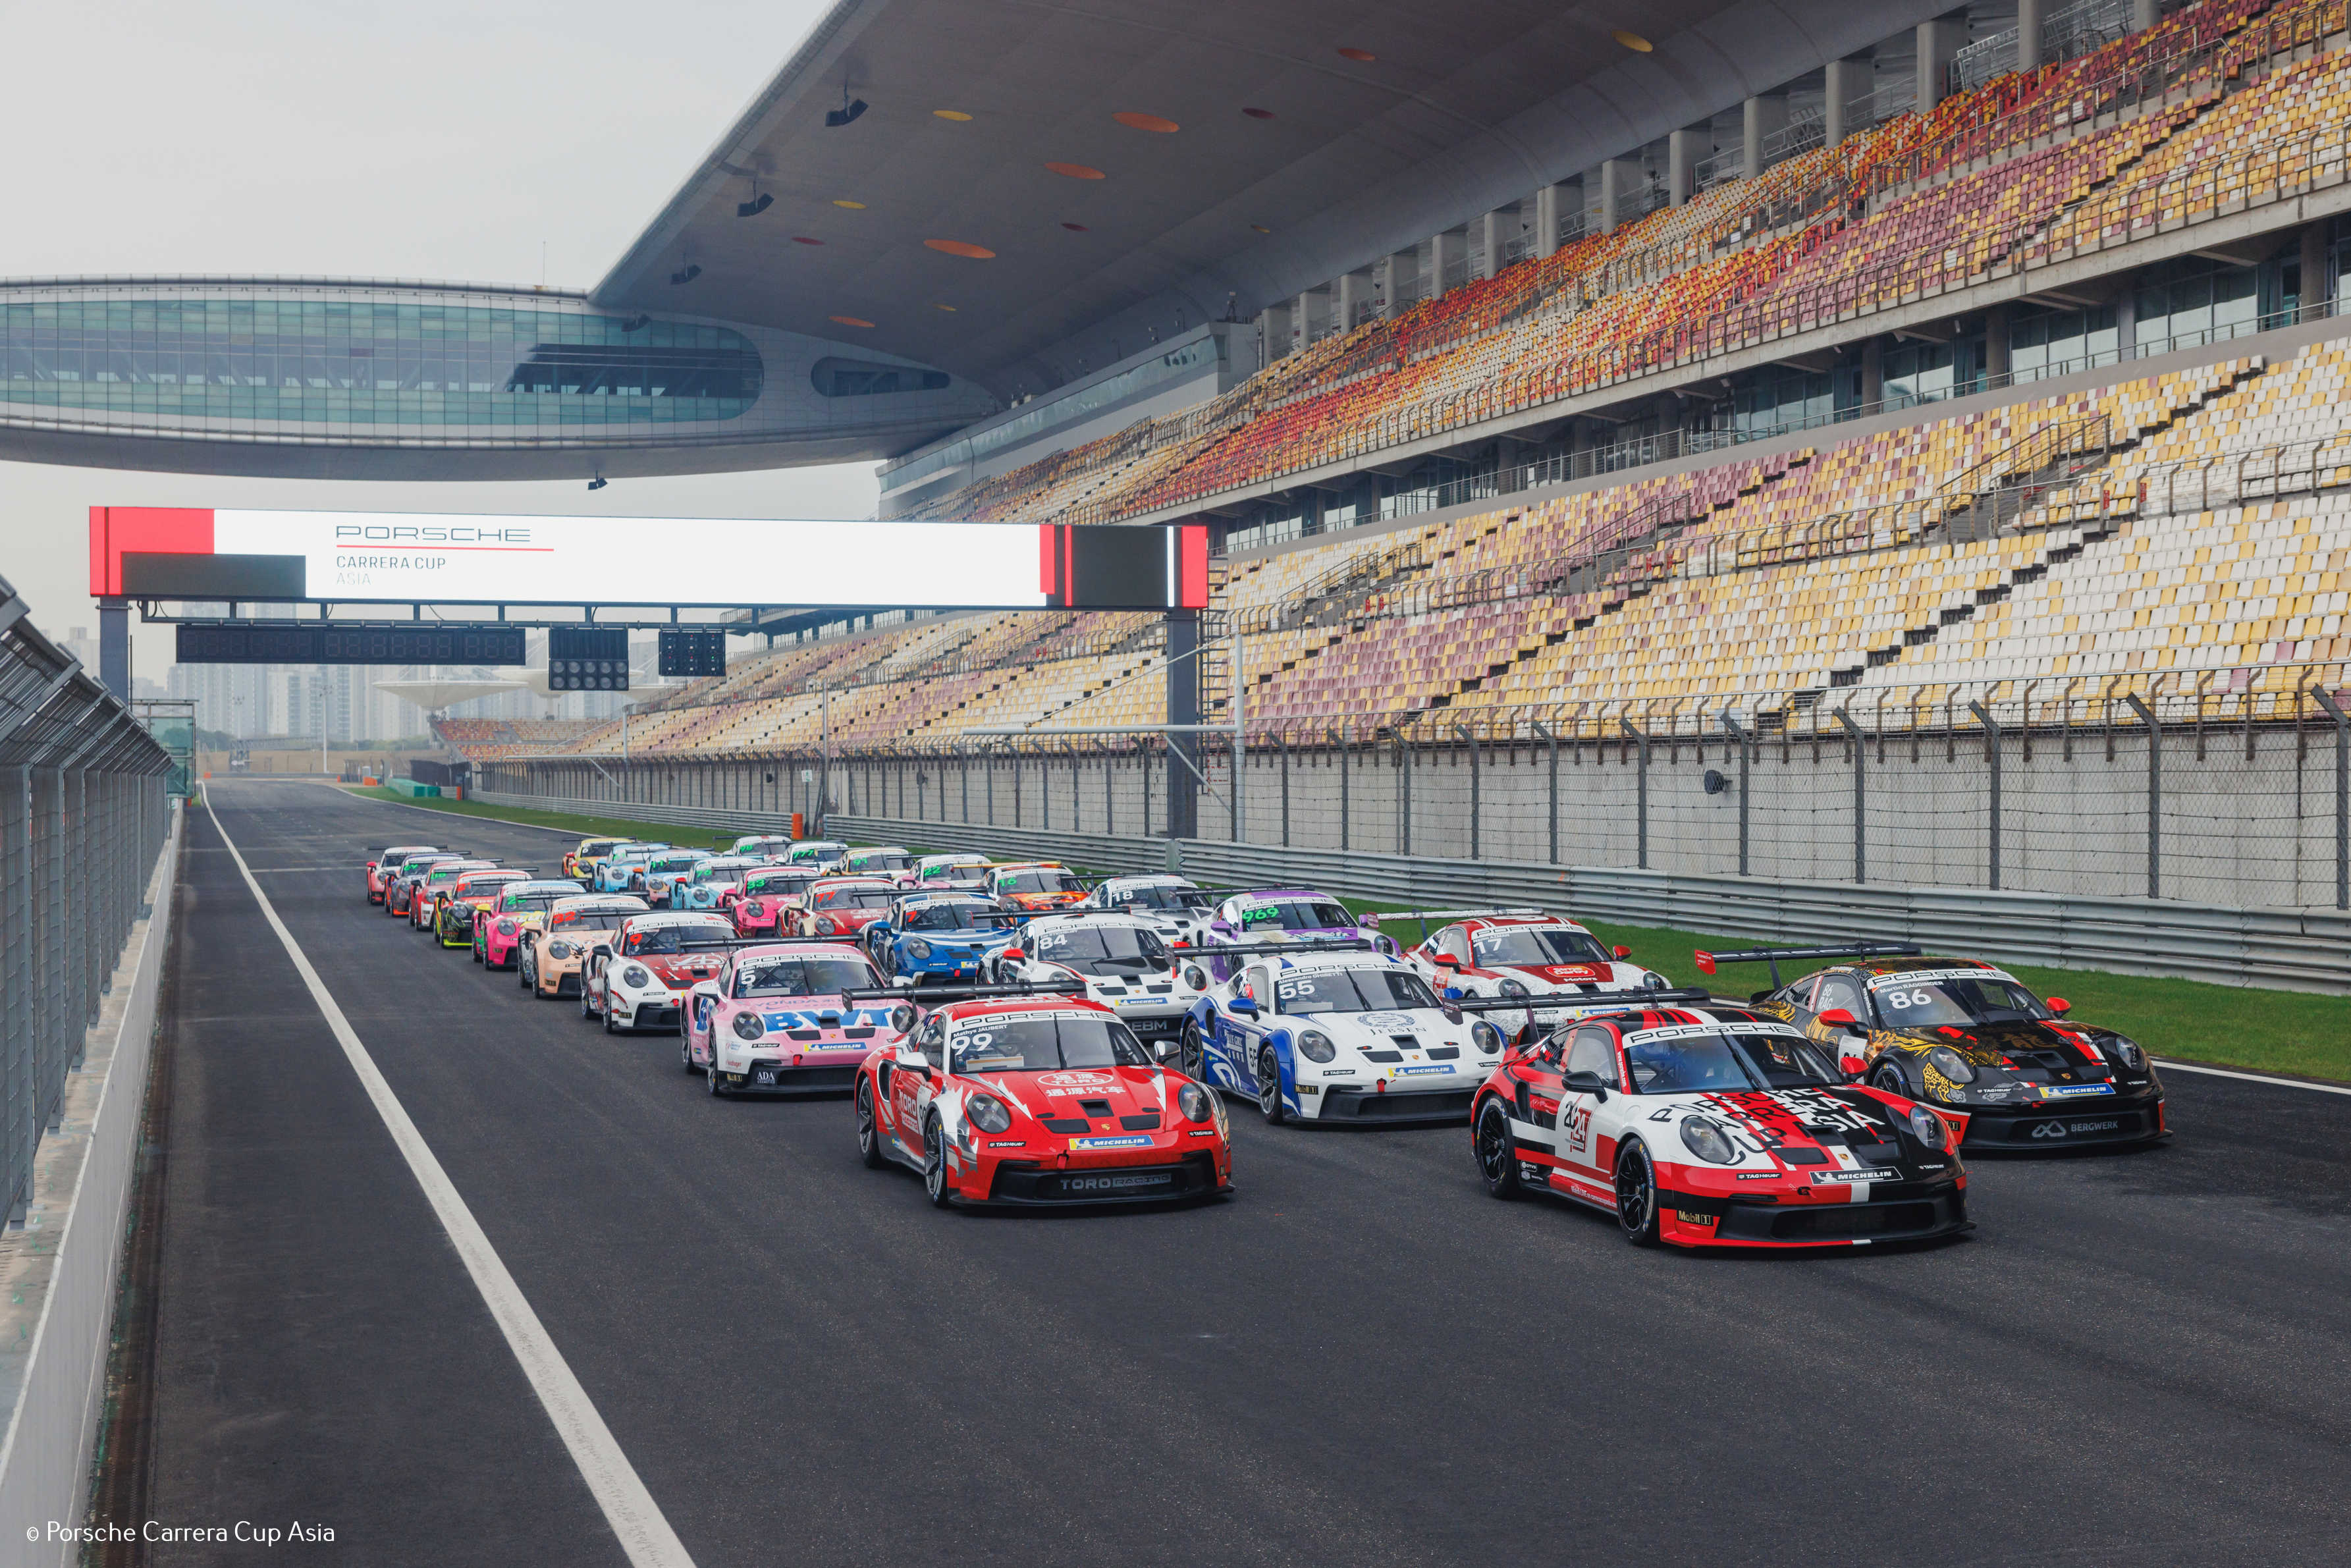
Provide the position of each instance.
(354, 138)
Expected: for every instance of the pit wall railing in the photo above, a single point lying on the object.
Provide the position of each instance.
(84, 813)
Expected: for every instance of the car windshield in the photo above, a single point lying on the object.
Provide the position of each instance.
(1044, 879)
(1520, 946)
(417, 867)
(1712, 1060)
(884, 863)
(1043, 1044)
(594, 920)
(807, 852)
(673, 938)
(955, 871)
(486, 887)
(527, 903)
(671, 862)
(853, 898)
(597, 847)
(1122, 950)
(1927, 1004)
(1159, 898)
(719, 874)
(791, 976)
(1351, 991)
(776, 883)
(953, 917)
(1295, 914)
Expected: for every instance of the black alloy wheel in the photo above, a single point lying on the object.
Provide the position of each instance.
(712, 1080)
(686, 1053)
(1637, 1195)
(1268, 1087)
(610, 1026)
(1889, 1077)
(934, 1162)
(1497, 1151)
(1193, 1054)
(869, 1129)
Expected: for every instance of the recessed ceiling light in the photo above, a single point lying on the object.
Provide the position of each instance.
(852, 206)
(805, 240)
(1261, 228)
(1147, 122)
(1365, 56)
(853, 321)
(1633, 41)
(961, 248)
(956, 115)
(1075, 228)
(1258, 114)
(1075, 171)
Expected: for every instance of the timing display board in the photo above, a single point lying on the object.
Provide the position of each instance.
(357, 558)
(693, 653)
(586, 659)
(312, 643)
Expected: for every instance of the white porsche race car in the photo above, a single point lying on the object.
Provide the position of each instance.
(1176, 907)
(1122, 960)
(1513, 953)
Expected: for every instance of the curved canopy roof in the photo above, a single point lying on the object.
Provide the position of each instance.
(1034, 189)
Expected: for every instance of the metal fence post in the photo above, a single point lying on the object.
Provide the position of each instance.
(2154, 794)
(1404, 795)
(1476, 805)
(1991, 756)
(1550, 738)
(1640, 797)
(1860, 797)
(1345, 814)
(1739, 732)
(2342, 796)
(1281, 744)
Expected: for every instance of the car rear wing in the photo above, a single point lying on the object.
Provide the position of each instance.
(1304, 945)
(1587, 1001)
(1380, 917)
(1772, 956)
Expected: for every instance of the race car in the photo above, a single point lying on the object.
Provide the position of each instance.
(961, 869)
(762, 846)
(1339, 1033)
(1175, 907)
(937, 938)
(714, 879)
(1037, 1099)
(770, 900)
(885, 861)
(1277, 915)
(623, 865)
(652, 881)
(638, 979)
(554, 955)
(521, 906)
(1121, 960)
(579, 862)
(1711, 1126)
(844, 905)
(468, 895)
(1518, 953)
(1032, 886)
(1967, 1037)
(401, 883)
(824, 854)
(382, 865)
(773, 1020)
(424, 897)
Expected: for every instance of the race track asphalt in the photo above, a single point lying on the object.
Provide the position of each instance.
(1361, 1358)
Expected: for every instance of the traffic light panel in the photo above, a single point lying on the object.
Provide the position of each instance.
(693, 653)
(586, 659)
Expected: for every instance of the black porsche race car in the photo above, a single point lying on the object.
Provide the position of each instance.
(1966, 1036)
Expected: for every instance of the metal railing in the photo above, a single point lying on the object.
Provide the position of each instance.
(83, 814)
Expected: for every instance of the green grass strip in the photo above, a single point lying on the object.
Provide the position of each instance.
(585, 827)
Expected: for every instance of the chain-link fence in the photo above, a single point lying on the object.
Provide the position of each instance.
(83, 814)
(2220, 787)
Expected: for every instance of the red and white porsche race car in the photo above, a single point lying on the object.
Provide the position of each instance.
(1519, 953)
(1716, 1127)
(640, 978)
(385, 865)
(1040, 1099)
(844, 905)
(773, 1019)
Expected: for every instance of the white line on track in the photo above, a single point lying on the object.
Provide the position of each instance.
(645, 1534)
(2251, 1077)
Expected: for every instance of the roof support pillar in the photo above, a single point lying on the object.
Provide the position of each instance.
(1848, 80)
(1547, 221)
(1273, 328)
(2029, 19)
(1445, 251)
(2144, 13)
(1684, 148)
(1938, 40)
(1619, 179)
(1492, 230)
(1350, 291)
(1763, 115)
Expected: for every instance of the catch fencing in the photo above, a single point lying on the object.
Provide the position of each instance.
(84, 811)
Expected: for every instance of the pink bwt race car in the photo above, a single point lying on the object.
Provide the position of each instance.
(775, 1020)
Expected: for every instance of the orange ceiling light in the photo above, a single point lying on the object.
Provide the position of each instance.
(1361, 57)
(1153, 123)
(962, 247)
(806, 240)
(845, 201)
(1076, 171)
(1258, 114)
(851, 321)
(1633, 41)
(957, 115)
(1261, 228)
(948, 309)
(1075, 228)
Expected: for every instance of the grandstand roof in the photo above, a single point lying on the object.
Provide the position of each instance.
(1431, 115)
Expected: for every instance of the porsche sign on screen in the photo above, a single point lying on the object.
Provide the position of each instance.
(406, 558)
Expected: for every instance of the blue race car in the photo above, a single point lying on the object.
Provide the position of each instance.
(711, 879)
(1274, 916)
(615, 872)
(939, 936)
(668, 870)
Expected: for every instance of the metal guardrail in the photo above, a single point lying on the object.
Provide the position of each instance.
(642, 812)
(2297, 949)
(83, 814)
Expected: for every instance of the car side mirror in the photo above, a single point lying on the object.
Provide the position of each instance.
(1241, 1007)
(1838, 1018)
(1164, 1051)
(1622, 951)
(1015, 954)
(1586, 1083)
(707, 988)
(1194, 978)
(2059, 1005)
(1453, 993)
(1224, 925)
(1446, 961)
(1852, 1067)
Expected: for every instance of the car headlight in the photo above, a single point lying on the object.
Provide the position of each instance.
(748, 1027)
(989, 1114)
(1315, 1046)
(558, 949)
(635, 978)
(1486, 1038)
(506, 928)
(1708, 1142)
(1951, 1064)
(1514, 988)
(902, 1018)
(917, 949)
(1192, 1101)
(1929, 1128)
(1653, 981)
(2125, 1051)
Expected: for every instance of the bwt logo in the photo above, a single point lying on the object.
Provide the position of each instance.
(431, 534)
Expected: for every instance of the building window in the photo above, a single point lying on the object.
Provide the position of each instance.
(2053, 342)
(858, 378)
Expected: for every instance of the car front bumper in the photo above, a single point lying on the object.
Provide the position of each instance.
(2052, 1124)
(763, 1075)
(1367, 1103)
(1156, 1175)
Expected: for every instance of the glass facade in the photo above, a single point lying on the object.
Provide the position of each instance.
(2046, 342)
(397, 358)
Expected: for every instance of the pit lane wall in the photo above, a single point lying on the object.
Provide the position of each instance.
(58, 1270)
